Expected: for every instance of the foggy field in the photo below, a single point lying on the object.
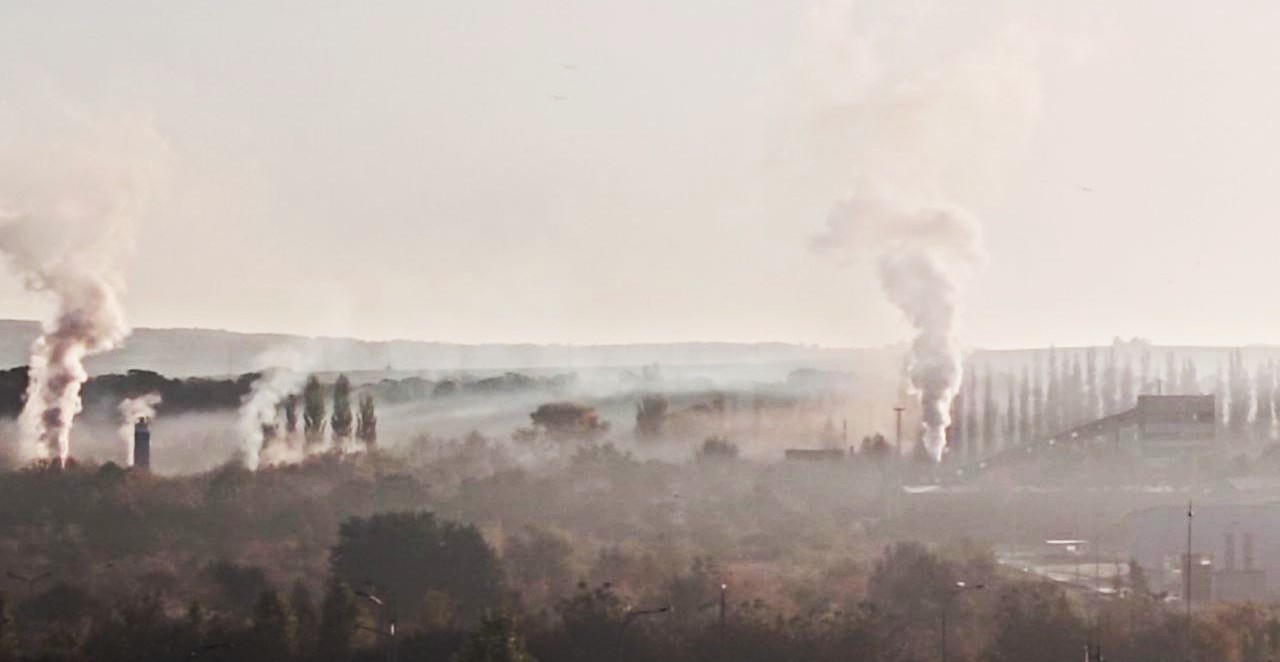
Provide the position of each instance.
(585, 497)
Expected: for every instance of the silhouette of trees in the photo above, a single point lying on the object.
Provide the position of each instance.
(238, 585)
(1238, 381)
(414, 553)
(341, 421)
(717, 448)
(1034, 621)
(496, 640)
(568, 420)
(8, 637)
(290, 407)
(270, 638)
(1264, 384)
(1190, 382)
(338, 618)
(1110, 384)
(367, 422)
(538, 559)
(1010, 409)
(1093, 400)
(910, 582)
(875, 448)
(1127, 393)
(651, 415)
(306, 621)
(313, 411)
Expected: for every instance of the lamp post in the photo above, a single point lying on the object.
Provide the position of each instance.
(960, 587)
(631, 616)
(1186, 596)
(724, 632)
(897, 439)
(386, 624)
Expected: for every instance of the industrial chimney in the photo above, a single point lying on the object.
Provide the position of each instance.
(142, 444)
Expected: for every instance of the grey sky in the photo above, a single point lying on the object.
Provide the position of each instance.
(576, 171)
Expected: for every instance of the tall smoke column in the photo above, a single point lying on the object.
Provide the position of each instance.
(260, 408)
(71, 192)
(924, 251)
(909, 111)
(133, 410)
(284, 371)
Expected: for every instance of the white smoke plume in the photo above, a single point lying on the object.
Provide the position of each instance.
(284, 372)
(133, 410)
(915, 104)
(924, 252)
(72, 190)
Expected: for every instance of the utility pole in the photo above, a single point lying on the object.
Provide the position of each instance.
(897, 440)
(895, 468)
(724, 632)
(950, 595)
(1186, 581)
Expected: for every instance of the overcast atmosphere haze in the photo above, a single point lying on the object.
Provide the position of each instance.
(583, 172)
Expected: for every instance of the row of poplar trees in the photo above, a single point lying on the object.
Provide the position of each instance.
(341, 423)
(1058, 390)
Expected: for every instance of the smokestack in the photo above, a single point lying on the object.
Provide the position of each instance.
(142, 444)
(134, 411)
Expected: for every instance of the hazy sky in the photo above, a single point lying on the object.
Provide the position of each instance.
(579, 171)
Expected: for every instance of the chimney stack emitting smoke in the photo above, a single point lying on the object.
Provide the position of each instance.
(141, 445)
(135, 412)
(918, 113)
(923, 254)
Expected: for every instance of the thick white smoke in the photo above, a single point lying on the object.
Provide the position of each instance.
(924, 253)
(284, 372)
(260, 411)
(133, 410)
(72, 190)
(919, 108)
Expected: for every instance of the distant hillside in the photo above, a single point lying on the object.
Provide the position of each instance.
(185, 352)
(192, 352)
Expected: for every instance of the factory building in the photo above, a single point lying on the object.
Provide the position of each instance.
(1235, 550)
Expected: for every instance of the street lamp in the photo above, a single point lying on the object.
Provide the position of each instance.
(390, 623)
(29, 581)
(207, 648)
(632, 616)
(960, 587)
(724, 633)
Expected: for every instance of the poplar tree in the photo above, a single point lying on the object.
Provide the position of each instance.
(1110, 384)
(341, 420)
(990, 416)
(313, 411)
(367, 422)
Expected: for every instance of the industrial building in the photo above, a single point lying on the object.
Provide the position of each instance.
(1160, 431)
(1235, 550)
